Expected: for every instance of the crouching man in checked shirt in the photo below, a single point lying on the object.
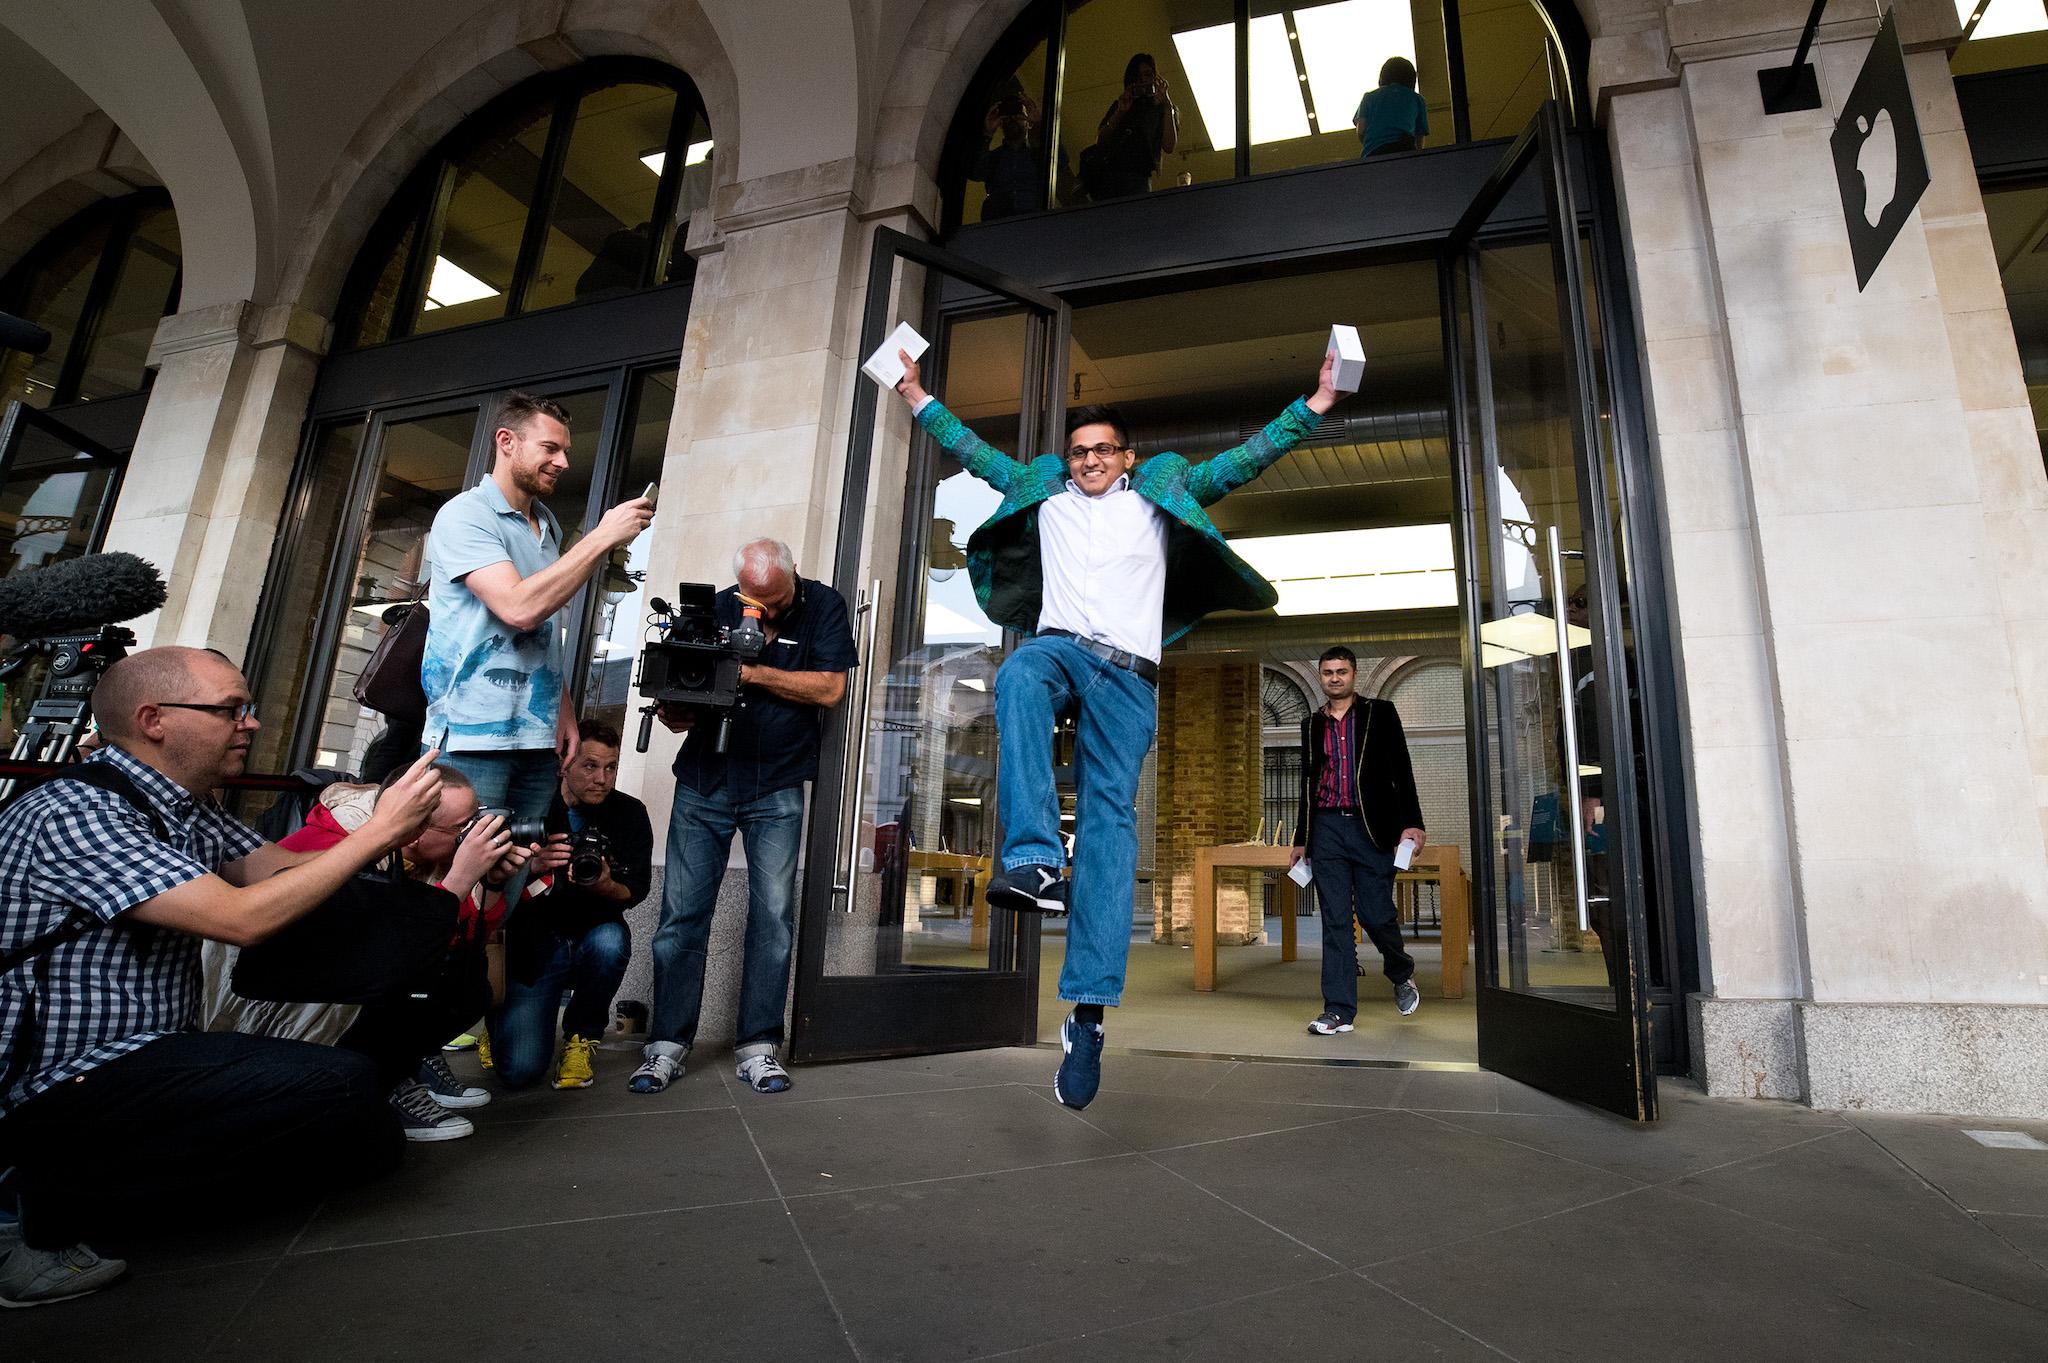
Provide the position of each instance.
(112, 1103)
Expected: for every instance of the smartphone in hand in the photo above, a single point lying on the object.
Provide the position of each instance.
(652, 493)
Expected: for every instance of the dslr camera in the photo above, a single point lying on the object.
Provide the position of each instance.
(696, 661)
(590, 852)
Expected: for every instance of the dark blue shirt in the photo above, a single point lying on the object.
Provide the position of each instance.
(774, 742)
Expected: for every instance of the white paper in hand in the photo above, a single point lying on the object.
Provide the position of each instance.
(1404, 855)
(1349, 371)
(1299, 873)
(884, 366)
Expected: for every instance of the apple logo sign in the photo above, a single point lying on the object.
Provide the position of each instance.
(1880, 163)
(1877, 163)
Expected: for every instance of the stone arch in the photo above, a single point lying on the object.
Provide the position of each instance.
(167, 87)
(944, 48)
(90, 163)
(485, 57)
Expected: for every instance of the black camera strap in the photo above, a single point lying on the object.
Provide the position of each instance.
(105, 776)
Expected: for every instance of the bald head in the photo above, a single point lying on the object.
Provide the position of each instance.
(153, 675)
(766, 571)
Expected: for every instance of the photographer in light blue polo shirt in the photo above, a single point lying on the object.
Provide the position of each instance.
(498, 704)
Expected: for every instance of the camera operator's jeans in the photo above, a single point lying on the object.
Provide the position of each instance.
(523, 1028)
(700, 830)
(1116, 714)
(194, 1124)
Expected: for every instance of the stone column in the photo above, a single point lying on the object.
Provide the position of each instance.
(1857, 512)
(206, 481)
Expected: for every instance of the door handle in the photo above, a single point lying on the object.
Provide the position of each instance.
(1565, 694)
(869, 606)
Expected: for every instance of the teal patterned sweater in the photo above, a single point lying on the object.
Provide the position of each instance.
(1202, 573)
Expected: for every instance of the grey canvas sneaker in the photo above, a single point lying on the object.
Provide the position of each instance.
(1407, 997)
(37, 1277)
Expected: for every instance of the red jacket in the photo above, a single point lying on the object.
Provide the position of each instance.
(322, 831)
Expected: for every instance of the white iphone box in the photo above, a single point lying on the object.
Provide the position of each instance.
(1350, 368)
(1404, 855)
(1300, 874)
(883, 366)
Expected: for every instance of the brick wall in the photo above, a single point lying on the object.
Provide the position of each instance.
(1208, 782)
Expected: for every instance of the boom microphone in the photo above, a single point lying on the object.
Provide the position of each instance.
(17, 334)
(78, 594)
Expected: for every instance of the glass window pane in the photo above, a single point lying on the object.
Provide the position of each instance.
(495, 182)
(53, 299)
(295, 595)
(50, 501)
(142, 294)
(2018, 219)
(602, 227)
(1007, 174)
(693, 196)
(1130, 125)
(1507, 64)
(1330, 80)
(422, 463)
(2011, 34)
(607, 692)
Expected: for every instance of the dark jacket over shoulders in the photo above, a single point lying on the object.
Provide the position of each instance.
(1385, 780)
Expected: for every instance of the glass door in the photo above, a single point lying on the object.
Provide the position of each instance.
(57, 489)
(898, 951)
(1563, 998)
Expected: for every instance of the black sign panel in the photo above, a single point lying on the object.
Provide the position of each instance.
(1879, 162)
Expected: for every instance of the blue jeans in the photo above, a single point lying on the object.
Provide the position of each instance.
(700, 830)
(1353, 877)
(523, 1028)
(1116, 714)
(522, 780)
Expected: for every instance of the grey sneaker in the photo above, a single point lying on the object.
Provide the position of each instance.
(37, 1277)
(662, 1067)
(1329, 1024)
(1407, 997)
(763, 1074)
(423, 1117)
(449, 1091)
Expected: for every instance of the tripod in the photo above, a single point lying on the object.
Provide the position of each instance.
(58, 721)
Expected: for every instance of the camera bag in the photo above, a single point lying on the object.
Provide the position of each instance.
(381, 935)
(390, 682)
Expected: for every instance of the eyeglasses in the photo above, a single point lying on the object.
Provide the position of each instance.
(1104, 452)
(237, 711)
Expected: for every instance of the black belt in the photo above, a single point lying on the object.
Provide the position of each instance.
(1117, 657)
(1338, 812)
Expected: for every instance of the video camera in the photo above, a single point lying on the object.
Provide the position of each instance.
(696, 661)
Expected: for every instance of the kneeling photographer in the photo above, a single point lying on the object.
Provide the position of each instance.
(573, 936)
(742, 769)
(113, 1104)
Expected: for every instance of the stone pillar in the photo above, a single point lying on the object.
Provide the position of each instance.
(206, 482)
(1210, 762)
(1858, 529)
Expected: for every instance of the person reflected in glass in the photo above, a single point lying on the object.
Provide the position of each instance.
(1010, 167)
(1103, 563)
(1140, 127)
(1592, 810)
(1393, 117)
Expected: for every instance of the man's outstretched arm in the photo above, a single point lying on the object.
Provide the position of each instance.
(976, 455)
(1213, 479)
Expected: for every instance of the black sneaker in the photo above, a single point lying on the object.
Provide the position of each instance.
(1329, 1024)
(448, 1091)
(1080, 1073)
(423, 1118)
(1407, 997)
(1028, 889)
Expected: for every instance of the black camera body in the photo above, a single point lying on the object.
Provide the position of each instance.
(1011, 106)
(523, 832)
(590, 853)
(696, 662)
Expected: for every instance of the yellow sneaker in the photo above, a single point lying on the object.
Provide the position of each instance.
(575, 1072)
(483, 1048)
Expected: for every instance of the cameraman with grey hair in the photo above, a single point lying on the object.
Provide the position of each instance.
(754, 788)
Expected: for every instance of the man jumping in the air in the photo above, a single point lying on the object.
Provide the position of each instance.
(1077, 558)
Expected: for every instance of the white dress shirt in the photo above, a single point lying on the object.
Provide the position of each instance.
(1104, 565)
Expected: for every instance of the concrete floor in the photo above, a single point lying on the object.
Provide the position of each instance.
(945, 1208)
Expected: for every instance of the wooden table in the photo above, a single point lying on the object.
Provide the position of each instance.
(1439, 863)
(965, 872)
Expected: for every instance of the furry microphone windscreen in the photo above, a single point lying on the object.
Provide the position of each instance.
(78, 595)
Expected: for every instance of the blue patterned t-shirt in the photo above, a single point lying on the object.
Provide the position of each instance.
(490, 688)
